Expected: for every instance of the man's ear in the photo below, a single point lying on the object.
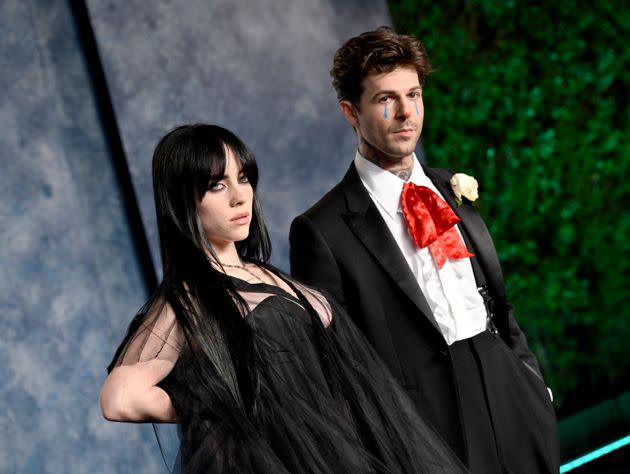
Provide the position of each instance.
(349, 112)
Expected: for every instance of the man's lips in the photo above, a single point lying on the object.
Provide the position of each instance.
(404, 131)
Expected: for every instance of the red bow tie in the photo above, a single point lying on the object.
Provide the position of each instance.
(431, 222)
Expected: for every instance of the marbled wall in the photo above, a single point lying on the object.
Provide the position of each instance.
(258, 68)
(69, 275)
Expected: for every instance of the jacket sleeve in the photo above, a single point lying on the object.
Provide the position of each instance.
(312, 261)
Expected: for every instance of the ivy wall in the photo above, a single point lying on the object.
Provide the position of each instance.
(532, 99)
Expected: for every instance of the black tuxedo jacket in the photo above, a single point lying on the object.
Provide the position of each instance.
(343, 245)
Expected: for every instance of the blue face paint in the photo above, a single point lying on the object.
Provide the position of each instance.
(385, 112)
(417, 109)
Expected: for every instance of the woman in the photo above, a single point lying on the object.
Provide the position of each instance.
(261, 373)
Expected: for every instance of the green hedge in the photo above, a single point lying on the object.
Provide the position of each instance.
(533, 101)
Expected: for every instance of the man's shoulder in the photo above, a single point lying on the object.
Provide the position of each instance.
(330, 203)
(443, 173)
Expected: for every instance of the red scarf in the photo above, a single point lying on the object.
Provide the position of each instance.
(431, 222)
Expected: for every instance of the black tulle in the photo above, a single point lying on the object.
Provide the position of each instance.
(322, 402)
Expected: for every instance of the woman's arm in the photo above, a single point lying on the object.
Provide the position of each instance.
(130, 393)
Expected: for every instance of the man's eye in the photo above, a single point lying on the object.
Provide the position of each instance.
(385, 98)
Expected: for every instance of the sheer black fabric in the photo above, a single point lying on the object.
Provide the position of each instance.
(323, 400)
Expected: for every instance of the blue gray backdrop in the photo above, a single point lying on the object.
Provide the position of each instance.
(257, 68)
(85, 93)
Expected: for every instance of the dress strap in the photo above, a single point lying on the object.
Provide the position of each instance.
(272, 289)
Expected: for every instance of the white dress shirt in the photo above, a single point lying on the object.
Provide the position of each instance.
(450, 291)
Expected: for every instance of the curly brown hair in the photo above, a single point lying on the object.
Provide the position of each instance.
(381, 50)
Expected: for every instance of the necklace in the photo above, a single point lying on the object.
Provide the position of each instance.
(242, 267)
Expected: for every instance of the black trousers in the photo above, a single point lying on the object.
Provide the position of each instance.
(508, 419)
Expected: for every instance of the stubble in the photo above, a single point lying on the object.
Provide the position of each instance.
(396, 167)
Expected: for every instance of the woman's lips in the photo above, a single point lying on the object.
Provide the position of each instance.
(241, 219)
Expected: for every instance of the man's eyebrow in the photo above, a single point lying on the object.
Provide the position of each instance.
(392, 92)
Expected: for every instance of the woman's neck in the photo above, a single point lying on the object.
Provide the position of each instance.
(227, 254)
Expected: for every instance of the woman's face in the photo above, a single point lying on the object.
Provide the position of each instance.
(225, 210)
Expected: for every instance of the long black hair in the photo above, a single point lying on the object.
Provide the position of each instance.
(206, 304)
(337, 408)
(185, 161)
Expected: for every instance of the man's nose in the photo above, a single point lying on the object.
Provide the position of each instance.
(405, 108)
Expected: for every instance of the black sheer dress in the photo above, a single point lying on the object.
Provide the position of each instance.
(323, 402)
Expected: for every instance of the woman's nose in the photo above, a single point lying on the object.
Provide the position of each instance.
(238, 196)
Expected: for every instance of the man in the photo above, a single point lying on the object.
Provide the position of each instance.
(411, 260)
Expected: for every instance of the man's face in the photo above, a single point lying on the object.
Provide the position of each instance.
(389, 115)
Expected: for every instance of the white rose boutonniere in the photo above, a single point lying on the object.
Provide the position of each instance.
(464, 186)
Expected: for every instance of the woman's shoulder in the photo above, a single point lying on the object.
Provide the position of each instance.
(153, 333)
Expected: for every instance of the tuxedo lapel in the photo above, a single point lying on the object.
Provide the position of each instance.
(369, 227)
(474, 226)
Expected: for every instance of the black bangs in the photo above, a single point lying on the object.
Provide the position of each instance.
(209, 145)
(248, 164)
(186, 161)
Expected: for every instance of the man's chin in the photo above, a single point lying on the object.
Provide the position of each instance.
(394, 153)
(404, 147)
(401, 153)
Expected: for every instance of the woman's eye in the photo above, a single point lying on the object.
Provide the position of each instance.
(243, 179)
(216, 187)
